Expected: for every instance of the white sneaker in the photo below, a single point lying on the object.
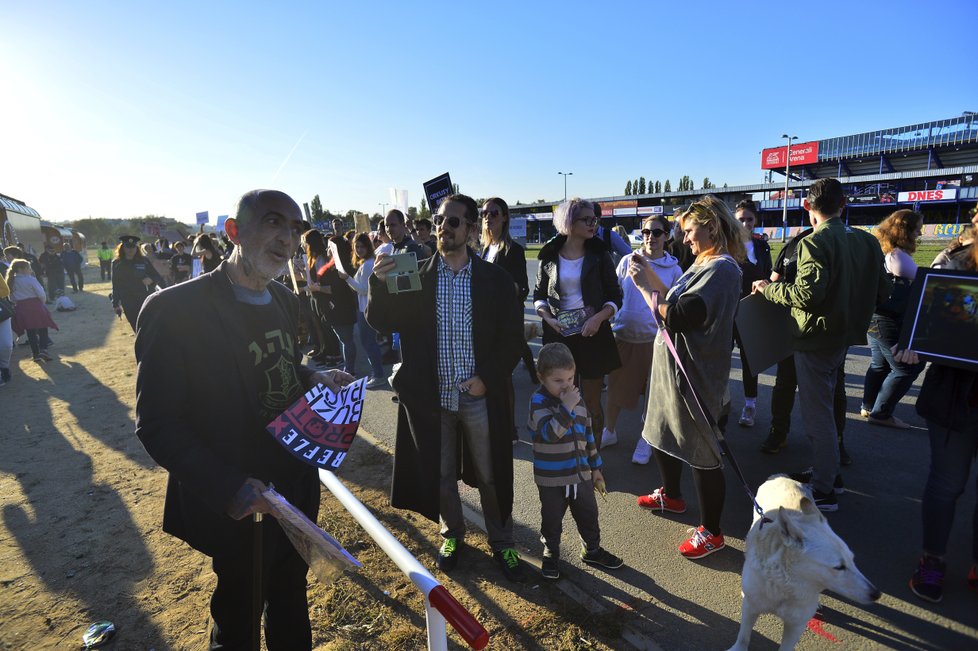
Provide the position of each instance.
(376, 383)
(608, 438)
(643, 452)
(747, 416)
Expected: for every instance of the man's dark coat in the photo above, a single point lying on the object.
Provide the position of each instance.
(196, 414)
(497, 336)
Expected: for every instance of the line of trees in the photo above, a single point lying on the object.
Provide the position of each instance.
(639, 186)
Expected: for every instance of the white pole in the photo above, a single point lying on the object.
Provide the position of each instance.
(784, 199)
(422, 578)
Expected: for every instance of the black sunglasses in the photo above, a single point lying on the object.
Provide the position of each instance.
(493, 212)
(655, 232)
(452, 221)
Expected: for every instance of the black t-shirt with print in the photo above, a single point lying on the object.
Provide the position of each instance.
(271, 349)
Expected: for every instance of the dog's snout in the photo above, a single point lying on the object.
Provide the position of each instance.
(875, 594)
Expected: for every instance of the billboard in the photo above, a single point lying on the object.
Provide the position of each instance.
(804, 153)
(927, 195)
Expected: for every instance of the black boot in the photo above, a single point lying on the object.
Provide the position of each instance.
(5, 374)
(775, 442)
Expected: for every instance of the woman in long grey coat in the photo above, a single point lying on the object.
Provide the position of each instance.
(698, 314)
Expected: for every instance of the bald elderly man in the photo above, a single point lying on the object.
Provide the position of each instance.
(217, 360)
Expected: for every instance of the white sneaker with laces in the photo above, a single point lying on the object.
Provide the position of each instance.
(376, 382)
(747, 416)
(643, 452)
(608, 438)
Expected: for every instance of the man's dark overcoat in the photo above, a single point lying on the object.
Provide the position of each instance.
(497, 335)
(196, 414)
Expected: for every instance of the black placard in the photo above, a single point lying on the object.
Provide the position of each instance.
(941, 321)
(437, 190)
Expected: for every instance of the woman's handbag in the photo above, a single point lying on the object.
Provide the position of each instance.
(6, 309)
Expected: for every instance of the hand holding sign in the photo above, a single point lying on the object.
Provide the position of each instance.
(320, 427)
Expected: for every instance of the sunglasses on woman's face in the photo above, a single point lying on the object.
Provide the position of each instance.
(655, 232)
(492, 212)
(588, 221)
(452, 221)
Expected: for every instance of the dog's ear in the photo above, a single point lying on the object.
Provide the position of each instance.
(808, 506)
(790, 532)
(809, 509)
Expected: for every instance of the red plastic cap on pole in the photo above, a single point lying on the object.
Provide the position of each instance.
(461, 620)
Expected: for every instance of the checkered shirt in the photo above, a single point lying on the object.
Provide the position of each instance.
(453, 318)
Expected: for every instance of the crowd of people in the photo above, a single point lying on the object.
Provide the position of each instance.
(657, 322)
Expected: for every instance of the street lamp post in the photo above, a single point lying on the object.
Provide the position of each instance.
(784, 199)
(565, 175)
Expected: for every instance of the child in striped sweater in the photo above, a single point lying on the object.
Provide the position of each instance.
(566, 464)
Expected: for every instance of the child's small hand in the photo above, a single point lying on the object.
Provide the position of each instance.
(597, 479)
(570, 397)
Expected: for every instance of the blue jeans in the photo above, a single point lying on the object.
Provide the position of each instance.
(951, 455)
(345, 333)
(368, 339)
(887, 380)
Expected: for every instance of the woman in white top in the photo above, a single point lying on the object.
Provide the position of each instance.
(30, 314)
(360, 282)
(888, 380)
(576, 295)
(635, 331)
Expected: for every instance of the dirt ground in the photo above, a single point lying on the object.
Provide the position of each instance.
(80, 537)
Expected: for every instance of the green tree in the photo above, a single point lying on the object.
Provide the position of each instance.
(628, 188)
(668, 187)
(635, 186)
(424, 213)
(641, 185)
(316, 210)
(658, 186)
(412, 213)
(706, 183)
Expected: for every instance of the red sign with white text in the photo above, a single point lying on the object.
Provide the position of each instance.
(804, 153)
(927, 195)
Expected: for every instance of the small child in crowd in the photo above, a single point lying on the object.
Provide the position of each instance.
(565, 461)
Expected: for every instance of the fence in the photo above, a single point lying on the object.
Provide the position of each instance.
(440, 606)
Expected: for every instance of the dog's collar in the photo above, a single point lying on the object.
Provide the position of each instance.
(764, 521)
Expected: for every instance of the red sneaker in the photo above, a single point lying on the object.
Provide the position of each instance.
(701, 544)
(659, 501)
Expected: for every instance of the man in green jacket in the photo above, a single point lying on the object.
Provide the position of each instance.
(839, 283)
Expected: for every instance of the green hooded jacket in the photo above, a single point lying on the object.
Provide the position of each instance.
(840, 282)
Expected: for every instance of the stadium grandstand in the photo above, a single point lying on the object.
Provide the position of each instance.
(931, 167)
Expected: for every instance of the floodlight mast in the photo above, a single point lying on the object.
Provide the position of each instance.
(784, 199)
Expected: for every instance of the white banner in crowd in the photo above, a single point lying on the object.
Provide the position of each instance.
(399, 200)
(517, 227)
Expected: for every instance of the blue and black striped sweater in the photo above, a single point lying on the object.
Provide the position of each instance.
(564, 453)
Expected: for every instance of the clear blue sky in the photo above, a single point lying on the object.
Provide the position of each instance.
(114, 109)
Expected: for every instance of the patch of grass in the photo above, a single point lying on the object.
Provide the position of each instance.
(925, 254)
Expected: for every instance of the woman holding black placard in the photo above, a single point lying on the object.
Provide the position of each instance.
(949, 401)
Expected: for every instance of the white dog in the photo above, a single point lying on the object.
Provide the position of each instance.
(791, 556)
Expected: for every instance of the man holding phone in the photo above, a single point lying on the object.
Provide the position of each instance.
(461, 337)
